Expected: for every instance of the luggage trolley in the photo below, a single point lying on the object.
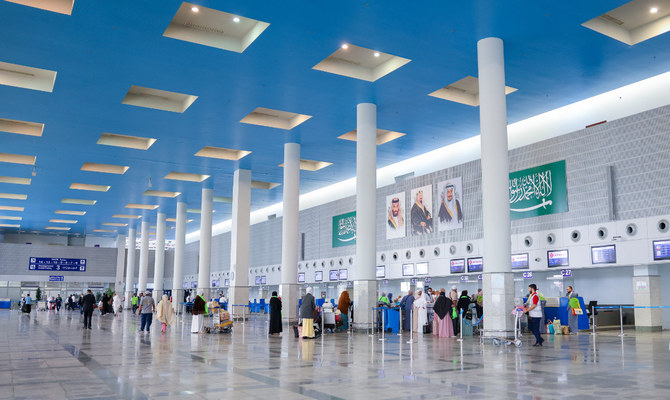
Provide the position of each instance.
(221, 321)
(518, 313)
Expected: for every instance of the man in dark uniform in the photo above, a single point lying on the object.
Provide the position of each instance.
(87, 306)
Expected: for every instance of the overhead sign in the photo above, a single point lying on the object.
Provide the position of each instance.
(344, 229)
(528, 275)
(538, 191)
(566, 272)
(53, 278)
(57, 264)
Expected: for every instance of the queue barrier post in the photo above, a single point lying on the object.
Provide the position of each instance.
(381, 310)
(621, 320)
(460, 324)
(399, 321)
(411, 327)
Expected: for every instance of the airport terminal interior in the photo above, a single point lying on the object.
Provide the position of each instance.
(341, 200)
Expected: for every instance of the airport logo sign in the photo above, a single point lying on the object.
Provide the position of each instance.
(344, 229)
(538, 191)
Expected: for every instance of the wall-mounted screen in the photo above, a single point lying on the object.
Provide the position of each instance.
(475, 264)
(258, 280)
(603, 254)
(263, 280)
(457, 266)
(344, 274)
(520, 261)
(215, 283)
(422, 268)
(333, 275)
(381, 271)
(226, 282)
(194, 284)
(301, 277)
(661, 250)
(558, 258)
(408, 270)
(318, 276)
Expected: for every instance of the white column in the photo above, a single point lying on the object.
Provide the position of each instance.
(179, 244)
(647, 293)
(365, 284)
(288, 289)
(120, 263)
(205, 242)
(144, 258)
(239, 238)
(130, 270)
(159, 259)
(498, 281)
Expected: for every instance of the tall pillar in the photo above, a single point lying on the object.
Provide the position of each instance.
(159, 259)
(239, 238)
(365, 283)
(130, 270)
(498, 281)
(144, 258)
(647, 293)
(120, 263)
(288, 289)
(204, 281)
(179, 244)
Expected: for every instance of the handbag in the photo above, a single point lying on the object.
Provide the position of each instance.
(577, 311)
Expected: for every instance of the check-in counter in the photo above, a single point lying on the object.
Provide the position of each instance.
(557, 307)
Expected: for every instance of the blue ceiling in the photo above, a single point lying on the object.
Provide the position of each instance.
(106, 46)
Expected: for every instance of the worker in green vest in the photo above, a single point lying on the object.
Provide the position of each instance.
(383, 299)
(133, 302)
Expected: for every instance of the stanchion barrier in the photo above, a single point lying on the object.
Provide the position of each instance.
(460, 325)
(323, 324)
(620, 308)
(400, 321)
(411, 327)
(244, 311)
(381, 310)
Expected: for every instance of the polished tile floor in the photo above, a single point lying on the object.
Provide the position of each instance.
(48, 355)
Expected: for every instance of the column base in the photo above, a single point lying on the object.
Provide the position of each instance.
(365, 297)
(289, 301)
(648, 328)
(238, 295)
(498, 288)
(127, 303)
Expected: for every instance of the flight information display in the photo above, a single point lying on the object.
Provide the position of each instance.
(422, 268)
(520, 261)
(475, 264)
(318, 276)
(258, 280)
(344, 274)
(381, 271)
(457, 266)
(661, 250)
(557, 258)
(264, 280)
(408, 270)
(301, 277)
(334, 274)
(603, 254)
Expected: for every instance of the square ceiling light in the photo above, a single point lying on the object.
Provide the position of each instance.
(275, 118)
(183, 176)
(360, 63)
(143, 206)
(105, 168)
(79, 201)
(10, 226)
(89, 187)
(129, 142)
(175, 220)
(59, 6)
(221, 153)
(263, 185)
(63, 221)
(57, 228)
(383, 136)
(69, 212)
(160, 193)
(311, 165)
(13, 196)
(223, 199)
(633, 22)
(11, 217)
(158, 99)
(214, 28)
(11, 208)
(17, 159)
(114, 224)
(21, 127)
(27, 77)
(464, 91)
(14, 180)
(126, 216)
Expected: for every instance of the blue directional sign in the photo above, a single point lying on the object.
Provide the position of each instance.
(57, 264)
(53, 278)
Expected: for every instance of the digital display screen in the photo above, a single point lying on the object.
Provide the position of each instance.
(258, 280)
(557, 258)
(301, 277)
(333, 275)
(603, 254)
(215, 283)
(661, 250)
(226, 282)
(194, 284)
(344, 275)
(318, 276)
(457, 266)
(520, 261)
(422, 268)
(475, 264)
(263, 280)
(408, 270)
(381, 271)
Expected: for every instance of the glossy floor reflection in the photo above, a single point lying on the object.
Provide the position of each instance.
(48, 355)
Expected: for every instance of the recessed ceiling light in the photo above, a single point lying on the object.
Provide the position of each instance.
(79, 201)
(345, 46)
(160, 193)
(143, 206)
(104, 230)
(263, 185)
(13, 196)
(129, 142)
(57, 228)
(21, 127)
(114, 224)
(221, 153)
(27, 77)
(195, 9)
(69, 212)
(183, 176)
(126, 216)
(86, 186)
(11, 217)
(383, 136)
(376, 54)
(196, 210)
(236, 19)
(58, 6)
(10, 225)
(311, 165)
(175, 220)
(105, 168)
(355, 62)
(63, 221)
(275, 118)
(653, 10)
(17, 181)
(223, 199)
(158, 99)
(17, 159)
(11, 208)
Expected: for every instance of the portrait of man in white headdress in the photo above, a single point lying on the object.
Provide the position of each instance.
(450, 214)
(395, 217)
